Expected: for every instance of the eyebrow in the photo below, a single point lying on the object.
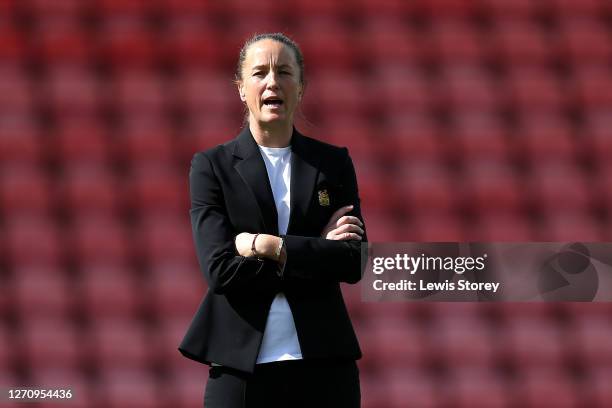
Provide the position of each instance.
(266, 66)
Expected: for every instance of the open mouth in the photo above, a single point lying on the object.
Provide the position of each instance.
(273, 102)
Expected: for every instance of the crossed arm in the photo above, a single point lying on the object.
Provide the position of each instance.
(226, 259)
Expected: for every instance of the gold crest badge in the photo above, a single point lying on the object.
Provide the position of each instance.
(323, 198)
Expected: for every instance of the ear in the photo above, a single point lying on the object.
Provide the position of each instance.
(241, 92)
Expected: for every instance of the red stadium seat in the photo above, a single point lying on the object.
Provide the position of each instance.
(164, 239)
(192, 41)
(394, 343)
(62, 39)
(385, 8)
(529, 342)
(589, 341)
(545, 136)
(501, 9)
(408, 136)
(426, 186)
(20, 142)
(139, 92)
(41, 292)
(403, 89)
(336, 52)
(388, 39)
(501, 226)
(153, 187)
(568, 225)
(17, 95)
(465, 87)
(407, 385)
(461, 342)
(545, 388)
(596, 134)
(429, 226)
(457, 41)
(82, 139)
(596, 389)
(167, 336)
(335, 93)
(98, 237)
(491, 186)
(121, 343)
(201, 93)
(12, 41)
(63, 8)
(7, 347)
(439, 8)
(89, 189)
(32, 239)
(530, 89)
(572, 8)
(25, 188)
(98, 283)
(557, 185)
(145, 139)
(203, 133)
(476, 387)
(321, 8)
(111, 8)
(72, 91)
(186, 384)
(130, 386)
(477, 134)
(49, 343)
(584, 39)
(127, 41)
(591, 87)
(516, 41)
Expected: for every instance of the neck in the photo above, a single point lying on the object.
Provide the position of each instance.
(277, 135)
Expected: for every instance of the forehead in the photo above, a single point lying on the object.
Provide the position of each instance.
(265, 51)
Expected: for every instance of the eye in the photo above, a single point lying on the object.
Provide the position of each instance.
(285, 73)
(258, 73)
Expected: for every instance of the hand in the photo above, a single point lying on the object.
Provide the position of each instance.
(343, 227)
(243, 243)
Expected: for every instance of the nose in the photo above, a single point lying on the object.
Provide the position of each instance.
(271, 80)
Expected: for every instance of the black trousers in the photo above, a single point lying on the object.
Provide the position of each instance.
(286, 384)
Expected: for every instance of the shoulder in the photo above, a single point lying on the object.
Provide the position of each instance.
(214, 155)
(324, 150)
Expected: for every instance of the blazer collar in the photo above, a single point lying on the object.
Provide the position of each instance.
(252, 169)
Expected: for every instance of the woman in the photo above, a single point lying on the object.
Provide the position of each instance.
(277, 225)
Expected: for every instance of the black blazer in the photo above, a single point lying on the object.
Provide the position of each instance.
(230, 193)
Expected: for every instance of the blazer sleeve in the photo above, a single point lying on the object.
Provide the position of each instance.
(317, 258)
(213, 236)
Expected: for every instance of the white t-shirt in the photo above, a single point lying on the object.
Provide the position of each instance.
(280, 341)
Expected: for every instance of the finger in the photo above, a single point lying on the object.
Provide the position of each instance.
(349, 219)
(349, 228)
(340, 212)
(346, 236)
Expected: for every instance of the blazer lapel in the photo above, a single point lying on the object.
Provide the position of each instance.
(304, 165)
(253, 171)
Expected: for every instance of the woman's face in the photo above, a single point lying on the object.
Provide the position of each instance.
(270, 83)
